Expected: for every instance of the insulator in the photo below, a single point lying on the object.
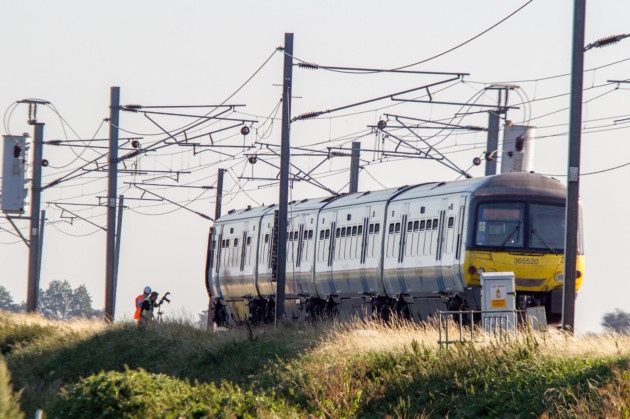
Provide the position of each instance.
(308, 66)
(135, 143)
(45, 163)
(381, 124)
(308, 115)
(252, 159)
(476, 161)
(245, 130)
(17, 151)
(607, 41)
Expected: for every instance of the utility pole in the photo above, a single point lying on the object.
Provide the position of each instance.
(285, 160)
(492, 146)
(111, 271)
(34, 252)
(211, 239)
(354, 167)
(573, 179)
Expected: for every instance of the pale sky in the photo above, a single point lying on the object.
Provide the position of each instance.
(197, 53)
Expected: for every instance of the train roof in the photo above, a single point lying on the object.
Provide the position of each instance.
(504, 184)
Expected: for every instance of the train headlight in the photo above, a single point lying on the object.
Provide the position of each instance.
(559, 277)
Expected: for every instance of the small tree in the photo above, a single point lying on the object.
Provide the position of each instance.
(61, 302)
(6, 300)
(619, 321)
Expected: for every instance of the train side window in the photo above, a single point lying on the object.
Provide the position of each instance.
(214, 244)
(249, 241)
(235, 242)
(410, 226)
(377, 228)
(310, 234)
(371, 229)
(343, 232)
(290, 236)
(321, 234)
(397, 227)
(391, 228)
(415, 225)
(327, 236)
(451, 222)
(360, 230)
(337, 232)
(354, 230)
(435, 224)
(422, 225)
(296, 235)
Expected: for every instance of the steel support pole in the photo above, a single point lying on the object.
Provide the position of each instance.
(211, 250)
(110, 274)
(285, 160)
(354, 167)
(492, 145)
(34, 240)
(573, 180)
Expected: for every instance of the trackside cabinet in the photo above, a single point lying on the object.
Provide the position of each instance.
(498, 303)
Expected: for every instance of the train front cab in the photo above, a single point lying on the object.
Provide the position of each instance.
(524, 235)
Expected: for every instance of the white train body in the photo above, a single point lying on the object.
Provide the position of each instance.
(406, 250)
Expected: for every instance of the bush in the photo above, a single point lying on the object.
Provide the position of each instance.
(137, 393)
(13, 334)
(9, 403)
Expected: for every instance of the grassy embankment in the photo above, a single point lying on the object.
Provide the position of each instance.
(92, 369)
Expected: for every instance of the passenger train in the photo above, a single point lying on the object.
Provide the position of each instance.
(411, 250)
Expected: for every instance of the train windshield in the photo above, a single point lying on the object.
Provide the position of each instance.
(520, 225)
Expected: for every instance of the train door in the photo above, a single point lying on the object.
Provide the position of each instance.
(325, 254)
(458, 257)
(440, 263)
(402, 245)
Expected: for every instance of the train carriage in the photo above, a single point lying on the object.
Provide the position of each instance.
(411, 250)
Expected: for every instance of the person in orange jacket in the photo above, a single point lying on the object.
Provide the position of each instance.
(139, 300)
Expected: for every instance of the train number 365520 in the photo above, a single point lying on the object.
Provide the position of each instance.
(526, 261)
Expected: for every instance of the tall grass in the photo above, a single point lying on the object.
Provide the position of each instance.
(360, 369)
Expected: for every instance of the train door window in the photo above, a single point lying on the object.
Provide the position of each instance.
(337, 253)
(409, 240)
(391, 228)
(416, 225)
(450, 234)
(321, 234)
(290, 236)
(235, 242)
(371, 229)
(397, 228)
(377, 228)
(327, 233)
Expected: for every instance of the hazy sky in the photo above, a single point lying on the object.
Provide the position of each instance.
(199, 53)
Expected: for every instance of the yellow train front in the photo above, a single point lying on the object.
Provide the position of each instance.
(517, 224)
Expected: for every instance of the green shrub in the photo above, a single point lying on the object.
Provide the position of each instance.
(13, 334)
(139, 394)
(9, 403)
